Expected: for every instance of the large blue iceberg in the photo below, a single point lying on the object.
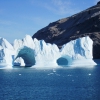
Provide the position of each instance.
(37, 53)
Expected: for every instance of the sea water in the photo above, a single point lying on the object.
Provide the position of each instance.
(80, 83)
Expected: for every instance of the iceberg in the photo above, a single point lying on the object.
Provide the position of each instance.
(28, 52)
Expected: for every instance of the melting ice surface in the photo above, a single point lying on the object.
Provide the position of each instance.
(29, 52)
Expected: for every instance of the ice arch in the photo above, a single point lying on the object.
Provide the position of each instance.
(28, 56)
(64, 60)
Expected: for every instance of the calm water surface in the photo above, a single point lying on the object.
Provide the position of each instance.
(50, 84)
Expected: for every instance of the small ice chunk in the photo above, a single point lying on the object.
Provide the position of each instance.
(20, 74)
(54, 70)
(69, 75)
(51, 74)
(58, 74)
(89, 74)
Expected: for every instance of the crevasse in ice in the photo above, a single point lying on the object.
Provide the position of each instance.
(37, 53)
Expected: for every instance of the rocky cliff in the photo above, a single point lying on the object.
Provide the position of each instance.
(85, 23)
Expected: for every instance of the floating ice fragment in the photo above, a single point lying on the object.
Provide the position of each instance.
(51, 74)
(54, 71)
(20, 74)
(58, 74)
(89, 74)
(69, 75)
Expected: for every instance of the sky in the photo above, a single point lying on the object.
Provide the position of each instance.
(21, 17)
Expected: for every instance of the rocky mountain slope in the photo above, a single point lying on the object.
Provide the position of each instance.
(85, 23)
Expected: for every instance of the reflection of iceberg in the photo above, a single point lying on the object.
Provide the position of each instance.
(31, 52)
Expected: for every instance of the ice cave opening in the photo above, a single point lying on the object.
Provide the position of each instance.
(64, 61)
(28, 55)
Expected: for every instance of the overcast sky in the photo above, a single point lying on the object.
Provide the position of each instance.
(21, 17)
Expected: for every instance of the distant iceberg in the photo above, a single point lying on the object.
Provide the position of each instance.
(37, 53)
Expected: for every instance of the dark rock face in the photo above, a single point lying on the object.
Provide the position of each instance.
(98, 3)
(85, 23)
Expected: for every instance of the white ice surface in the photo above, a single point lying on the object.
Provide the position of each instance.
(40, 54)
